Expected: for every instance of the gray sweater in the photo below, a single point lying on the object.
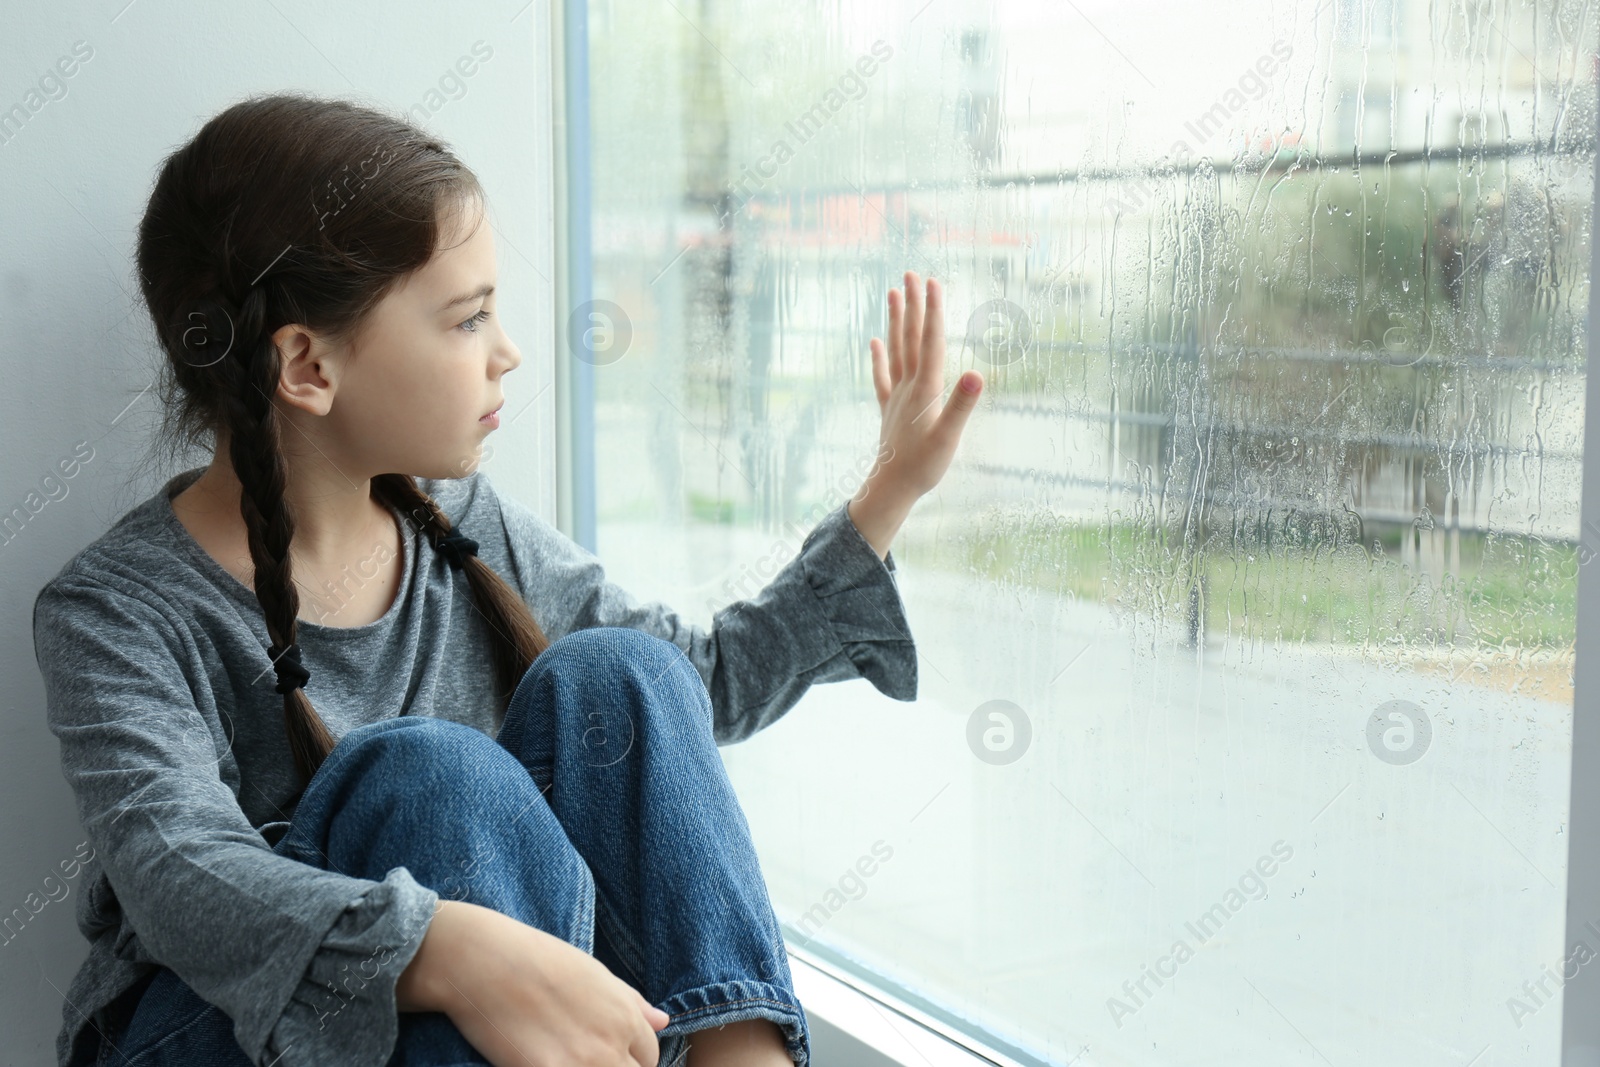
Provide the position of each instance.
(160, 690)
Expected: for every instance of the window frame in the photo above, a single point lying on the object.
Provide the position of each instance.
(856, 1024)
(1580, 995)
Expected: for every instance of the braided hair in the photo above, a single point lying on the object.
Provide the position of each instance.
(288, 208)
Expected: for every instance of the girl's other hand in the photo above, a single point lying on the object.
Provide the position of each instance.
(526, 998)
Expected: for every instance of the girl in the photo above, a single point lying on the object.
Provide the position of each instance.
(390, 820)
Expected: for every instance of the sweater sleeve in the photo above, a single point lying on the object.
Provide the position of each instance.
(302, 960)
(832, 613)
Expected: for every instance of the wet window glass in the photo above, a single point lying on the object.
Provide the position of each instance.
(1245, 616)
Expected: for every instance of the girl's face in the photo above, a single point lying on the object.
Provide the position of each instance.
(409, 393)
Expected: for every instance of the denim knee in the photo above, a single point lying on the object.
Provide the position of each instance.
(612, 648)
(409, 741)
(456, 809)
(398, 756)
(606, 674)
(379, 772)
(617, 654)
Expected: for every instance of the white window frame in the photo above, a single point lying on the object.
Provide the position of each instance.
(1580, 1019)
(856, 1024)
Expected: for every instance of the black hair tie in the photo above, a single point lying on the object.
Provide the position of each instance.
(454, 547)
(291, 674)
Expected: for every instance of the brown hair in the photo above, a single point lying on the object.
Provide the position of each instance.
(293, 209)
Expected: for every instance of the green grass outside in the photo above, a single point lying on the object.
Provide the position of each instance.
(1511, 592)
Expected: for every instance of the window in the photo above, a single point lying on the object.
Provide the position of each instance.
(1246, 615)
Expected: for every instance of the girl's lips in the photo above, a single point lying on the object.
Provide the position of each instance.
(492, 419)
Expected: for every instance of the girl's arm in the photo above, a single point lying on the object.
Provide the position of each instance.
(831, 613)
(302, 960)
(520, 995)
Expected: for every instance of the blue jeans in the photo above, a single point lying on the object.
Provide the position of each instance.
(602, 814)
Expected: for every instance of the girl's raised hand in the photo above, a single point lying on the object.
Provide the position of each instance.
(917, 442)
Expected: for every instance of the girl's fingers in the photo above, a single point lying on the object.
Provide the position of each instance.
(652, 1014)
(913, 324)
(896, 340)
(930, 359)
(880, 374)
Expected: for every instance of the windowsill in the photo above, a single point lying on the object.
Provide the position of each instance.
(855, 1025)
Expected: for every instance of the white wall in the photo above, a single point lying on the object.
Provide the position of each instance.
(77, 351)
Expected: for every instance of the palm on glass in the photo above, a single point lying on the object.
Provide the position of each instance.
(917, 442)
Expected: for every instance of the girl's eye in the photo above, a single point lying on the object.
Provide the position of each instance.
(471, 325)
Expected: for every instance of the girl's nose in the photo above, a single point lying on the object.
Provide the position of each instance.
(511, 356)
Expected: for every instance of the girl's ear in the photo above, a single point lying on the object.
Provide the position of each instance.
(310, 374)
